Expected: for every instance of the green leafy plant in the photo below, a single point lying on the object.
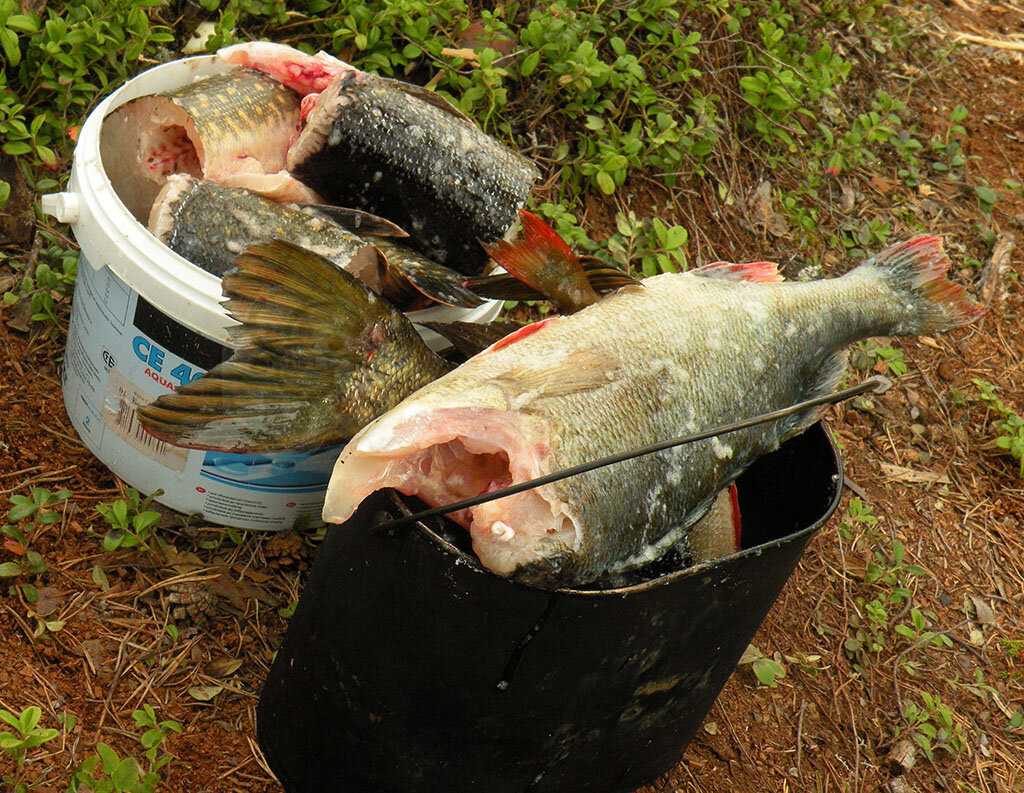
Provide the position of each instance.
(768, 671)
(1010, 424)
(932, 727)
(107, 772)
(35, 506)
(131, 521)
(27, 735)
(649, 245)
(869, 352)
(50, 283)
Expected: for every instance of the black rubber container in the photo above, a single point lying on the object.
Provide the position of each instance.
(408, 667)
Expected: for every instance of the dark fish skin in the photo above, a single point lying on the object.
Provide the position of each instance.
(440, 178)
(210, 225)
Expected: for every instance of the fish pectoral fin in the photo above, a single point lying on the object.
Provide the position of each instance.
(359, 222)
(469, 338)
(406, 276)
(826, 380)
(318, 356)
(602, 277)
(582, 371)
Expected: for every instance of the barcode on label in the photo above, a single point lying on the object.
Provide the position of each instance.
(127, 419)
(124, 421)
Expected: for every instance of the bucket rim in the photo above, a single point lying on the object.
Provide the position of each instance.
(701, 568)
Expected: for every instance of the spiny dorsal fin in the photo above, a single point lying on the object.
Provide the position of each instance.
(754, 272)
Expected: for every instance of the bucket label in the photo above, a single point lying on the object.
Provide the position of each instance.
(123, 420)
(123, 352)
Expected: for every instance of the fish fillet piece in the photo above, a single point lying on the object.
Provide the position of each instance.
(210, 225)
(683, 353)
(386, 147)
(234, 126)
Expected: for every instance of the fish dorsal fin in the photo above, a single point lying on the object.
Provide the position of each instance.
(318, 356)
(428, 96)
(753, 272)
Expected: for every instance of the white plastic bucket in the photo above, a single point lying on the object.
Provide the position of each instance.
(143, 321)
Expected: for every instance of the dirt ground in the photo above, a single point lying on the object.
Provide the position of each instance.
(922, 458)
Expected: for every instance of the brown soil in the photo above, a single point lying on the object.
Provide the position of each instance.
(927, 467)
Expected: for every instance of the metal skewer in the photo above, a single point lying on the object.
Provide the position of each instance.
(870, 384)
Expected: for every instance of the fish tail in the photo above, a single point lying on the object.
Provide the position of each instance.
(544, 267)
(317, 356)
(915, 270)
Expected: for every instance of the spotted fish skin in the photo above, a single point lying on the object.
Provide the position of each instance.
(240, 113)
(436, 175)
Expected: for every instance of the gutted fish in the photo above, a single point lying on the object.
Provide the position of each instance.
(681, 354)
(210, 225)
(399, 151)
(233, 128)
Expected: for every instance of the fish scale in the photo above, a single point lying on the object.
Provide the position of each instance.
(440, 178)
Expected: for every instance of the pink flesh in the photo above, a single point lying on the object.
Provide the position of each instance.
(308, 103)
(516, 335)
(447, 455)
(304, 74)
(168, 140)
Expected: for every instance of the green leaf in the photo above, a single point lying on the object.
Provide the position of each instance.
(108, 756)
(29, 719)
(100, 578)
(23, 507)
(22, 23)
(1017, 720)
(9, 569)
(119, 511)
(5, 192)
(529, 64)
(125, 775)
(986, 196)
(16, 147)
(9, 44)
(605, 183)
